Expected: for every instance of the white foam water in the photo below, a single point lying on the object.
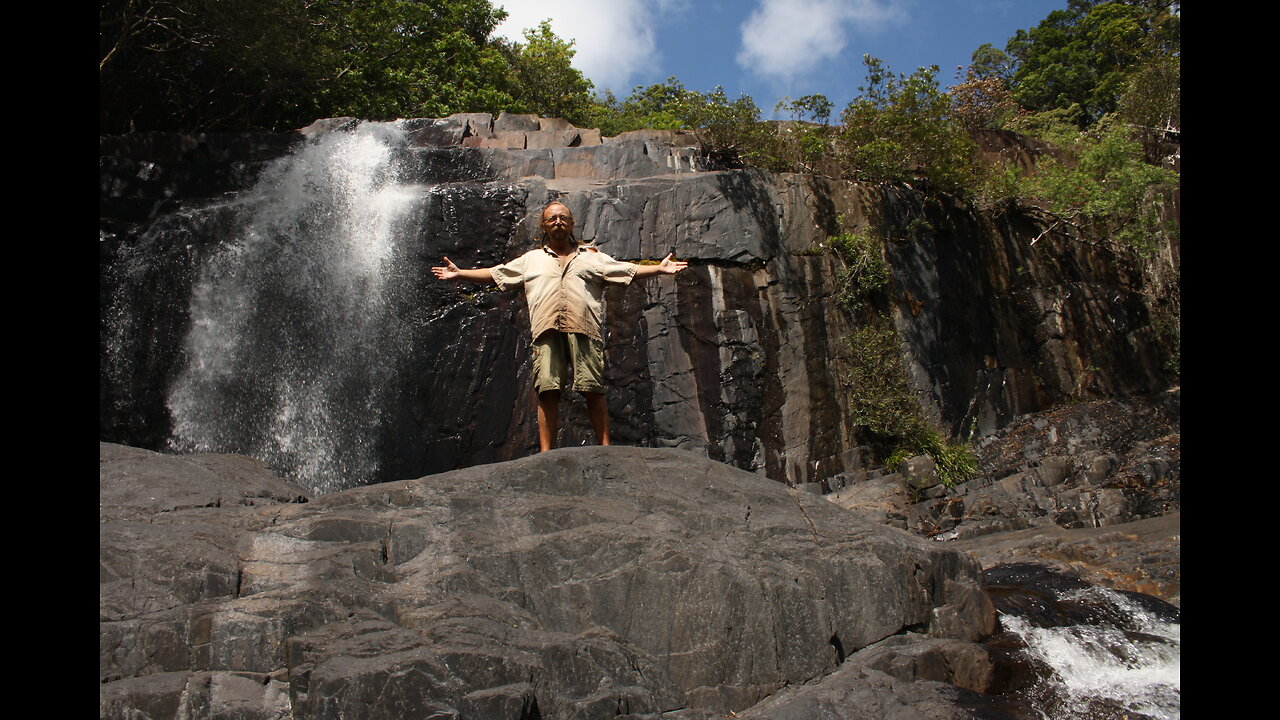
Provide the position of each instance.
(289, 316)
(1126, 669)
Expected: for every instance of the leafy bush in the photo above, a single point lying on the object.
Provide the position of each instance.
(901, 128)
(880, 399)
(728, 132)
(1110, 191)
(956, 462)
(1052, 126)
(999, 185)
(661, 106)
(982, 102)
(541, 79)
(864, 270)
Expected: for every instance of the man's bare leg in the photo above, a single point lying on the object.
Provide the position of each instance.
(598, 409)
(548, 418)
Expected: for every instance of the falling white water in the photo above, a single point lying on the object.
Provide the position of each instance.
(1127, 669)
(290, 321)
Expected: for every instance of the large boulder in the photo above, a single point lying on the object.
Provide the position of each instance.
(581, 583)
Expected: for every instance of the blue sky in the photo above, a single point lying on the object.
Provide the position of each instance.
(770, 49)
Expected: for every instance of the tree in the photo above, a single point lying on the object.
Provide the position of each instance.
(200, 63)
(386, 59)
(277, 65)
(1152, 104)
(542, 79)
(981, 101)
(1084, 55)
(1108, 190)
(989, 62)
(901, 128)
(813, 108)
(661, 106)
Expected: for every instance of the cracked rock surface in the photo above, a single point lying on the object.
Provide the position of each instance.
(580, 583)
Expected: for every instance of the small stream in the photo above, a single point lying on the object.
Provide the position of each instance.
(1096, 653)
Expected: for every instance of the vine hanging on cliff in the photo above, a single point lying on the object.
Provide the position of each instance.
(881, 400)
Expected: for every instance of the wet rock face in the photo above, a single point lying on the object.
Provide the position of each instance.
(586, 582)
(742, 357)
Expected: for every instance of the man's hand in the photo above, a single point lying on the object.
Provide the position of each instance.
(451, 272)
(668, 266)
(448, 272)
(671, 267)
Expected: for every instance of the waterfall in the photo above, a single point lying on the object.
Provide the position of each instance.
(1123, 664)
(292, 348)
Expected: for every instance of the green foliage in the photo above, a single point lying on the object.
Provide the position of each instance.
(727, 131)
(1152, 104)
(384, 59)
(864, 270)
(1081, 58)
(1153, 94)
(901, 128)
(730, 131)
(1167, 325)
(203, 63)
(244, 64)
(991, 63)
(543, 81)
(999, 185)
(810, 108)
(1054, 126)
(881, 401)
(661, 106)
(982, 101)
(1110, 189)
(955, 462)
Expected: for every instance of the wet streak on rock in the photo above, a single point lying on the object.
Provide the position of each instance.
(626, 369)
(825, 414)
(701, 340)
(743, 381)
(772, 433)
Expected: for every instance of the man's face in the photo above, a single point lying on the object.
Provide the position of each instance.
(557, 221)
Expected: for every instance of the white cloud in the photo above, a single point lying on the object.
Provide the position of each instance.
(614, 41)
(783, 39)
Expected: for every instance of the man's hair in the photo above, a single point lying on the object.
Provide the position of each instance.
(561, 203)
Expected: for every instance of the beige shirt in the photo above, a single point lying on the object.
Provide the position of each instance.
(565, 298)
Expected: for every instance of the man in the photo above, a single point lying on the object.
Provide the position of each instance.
(564, 283)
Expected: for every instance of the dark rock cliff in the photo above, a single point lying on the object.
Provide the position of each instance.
(743, 357)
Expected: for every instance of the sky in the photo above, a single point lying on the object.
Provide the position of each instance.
(771, 49)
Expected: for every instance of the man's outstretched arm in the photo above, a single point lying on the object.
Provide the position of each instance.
(452, 272)
(667, 266)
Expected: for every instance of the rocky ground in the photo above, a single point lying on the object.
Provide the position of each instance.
(1090, 489)
(623, 582)
(582, 583)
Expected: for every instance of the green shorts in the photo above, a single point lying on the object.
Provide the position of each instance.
(555, 354)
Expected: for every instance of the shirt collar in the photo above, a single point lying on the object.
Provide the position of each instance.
(582, 247)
